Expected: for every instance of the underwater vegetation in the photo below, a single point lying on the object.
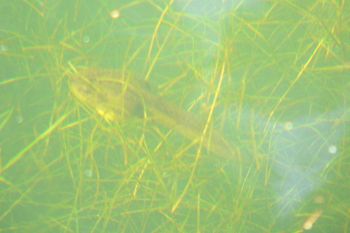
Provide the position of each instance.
(116, 97)
(174, 116)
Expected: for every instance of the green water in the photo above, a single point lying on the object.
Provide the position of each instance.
(271, 77)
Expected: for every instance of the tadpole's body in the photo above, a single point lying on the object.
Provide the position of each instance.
(117, 96)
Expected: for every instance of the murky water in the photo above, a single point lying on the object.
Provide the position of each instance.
(174, 116)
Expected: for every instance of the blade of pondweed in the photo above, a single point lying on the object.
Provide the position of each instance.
(41, 137)
(5, 117)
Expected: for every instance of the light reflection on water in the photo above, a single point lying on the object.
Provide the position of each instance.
(299, 152)
(301, 155)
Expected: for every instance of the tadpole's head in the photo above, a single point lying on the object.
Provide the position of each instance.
(105, 91)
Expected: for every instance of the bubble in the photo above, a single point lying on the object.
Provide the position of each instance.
(86, 39)
(88, 173)
(312, 219)
(288, 126)
(19, 119)
(42, 4)
(3, 48)
(115, 14)
(307, 225)
(332, 149)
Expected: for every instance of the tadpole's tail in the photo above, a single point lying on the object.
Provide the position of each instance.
(191, 127)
